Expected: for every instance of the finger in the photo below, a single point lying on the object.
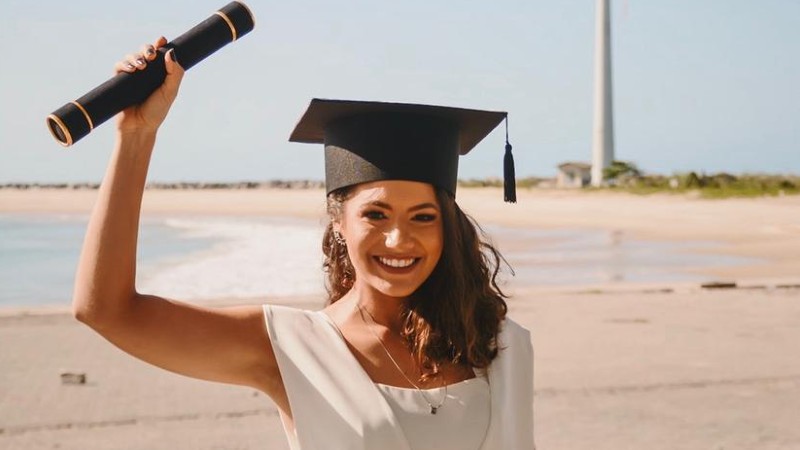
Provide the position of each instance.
(124, 66)
(149, 52)
(139, 62)
(172, 64)
(160, 42)
(174, 70)
(132, 60)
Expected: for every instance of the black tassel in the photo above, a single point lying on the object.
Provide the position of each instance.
(509, 177)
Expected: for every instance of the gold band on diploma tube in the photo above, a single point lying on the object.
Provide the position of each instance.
(61, 126)
(85, 114)
(228, 21)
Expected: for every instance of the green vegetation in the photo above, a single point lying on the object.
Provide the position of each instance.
(522, 183)
(621, 170)
(625, 176)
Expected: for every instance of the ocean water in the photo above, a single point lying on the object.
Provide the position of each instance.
(183, 258)
(196, 258)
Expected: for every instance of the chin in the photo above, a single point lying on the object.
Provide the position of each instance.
(394, 290)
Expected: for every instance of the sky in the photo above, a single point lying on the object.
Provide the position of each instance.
(708, 86)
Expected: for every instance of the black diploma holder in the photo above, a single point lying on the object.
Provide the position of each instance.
(78, 118)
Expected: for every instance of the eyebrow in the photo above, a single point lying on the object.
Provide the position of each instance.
(413, 208)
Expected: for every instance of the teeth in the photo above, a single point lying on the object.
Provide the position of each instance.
(396, 262)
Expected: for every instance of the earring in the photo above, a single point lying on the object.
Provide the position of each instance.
(339, 239)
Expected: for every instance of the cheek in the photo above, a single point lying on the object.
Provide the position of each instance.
(434, 244)
(360, 240)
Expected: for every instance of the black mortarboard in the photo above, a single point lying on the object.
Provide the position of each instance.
(372, 141)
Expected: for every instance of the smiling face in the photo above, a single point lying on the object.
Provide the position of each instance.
(393, 231)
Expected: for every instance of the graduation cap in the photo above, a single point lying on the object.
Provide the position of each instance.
(372, 141)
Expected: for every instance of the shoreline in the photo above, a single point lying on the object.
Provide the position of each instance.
(766, 230)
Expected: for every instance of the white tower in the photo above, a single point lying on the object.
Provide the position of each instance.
(603, 129)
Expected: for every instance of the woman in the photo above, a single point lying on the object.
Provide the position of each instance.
(413, 350)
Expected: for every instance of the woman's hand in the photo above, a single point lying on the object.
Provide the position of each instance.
(148, 115)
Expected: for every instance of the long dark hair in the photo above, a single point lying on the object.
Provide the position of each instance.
(455, 315)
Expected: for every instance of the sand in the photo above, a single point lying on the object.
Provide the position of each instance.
(618, 366)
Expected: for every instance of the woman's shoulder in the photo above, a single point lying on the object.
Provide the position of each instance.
(512, 334)
(292, 328)
(510, 327)
(275, 315)
(285, 309)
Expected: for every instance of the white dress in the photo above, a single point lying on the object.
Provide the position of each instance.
(335, 405)
(459, 424)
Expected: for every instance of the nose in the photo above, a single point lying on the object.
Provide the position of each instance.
(398, 238)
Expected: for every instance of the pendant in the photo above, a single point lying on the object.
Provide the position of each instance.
(433, 409)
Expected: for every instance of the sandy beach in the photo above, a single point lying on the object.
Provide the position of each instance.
(618, 365)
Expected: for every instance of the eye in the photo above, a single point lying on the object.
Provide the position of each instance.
(373, 215)
(425, 217)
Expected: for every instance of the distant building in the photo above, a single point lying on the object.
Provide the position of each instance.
(573, 175)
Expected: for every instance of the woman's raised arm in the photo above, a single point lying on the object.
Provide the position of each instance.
(228, 345)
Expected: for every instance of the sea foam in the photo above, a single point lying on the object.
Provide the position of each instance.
(247, 258)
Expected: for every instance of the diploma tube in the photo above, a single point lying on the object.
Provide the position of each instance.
(78, 118)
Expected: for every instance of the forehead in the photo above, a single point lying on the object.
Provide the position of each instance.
(393, 192)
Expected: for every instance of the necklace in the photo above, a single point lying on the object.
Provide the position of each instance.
(434, 408)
